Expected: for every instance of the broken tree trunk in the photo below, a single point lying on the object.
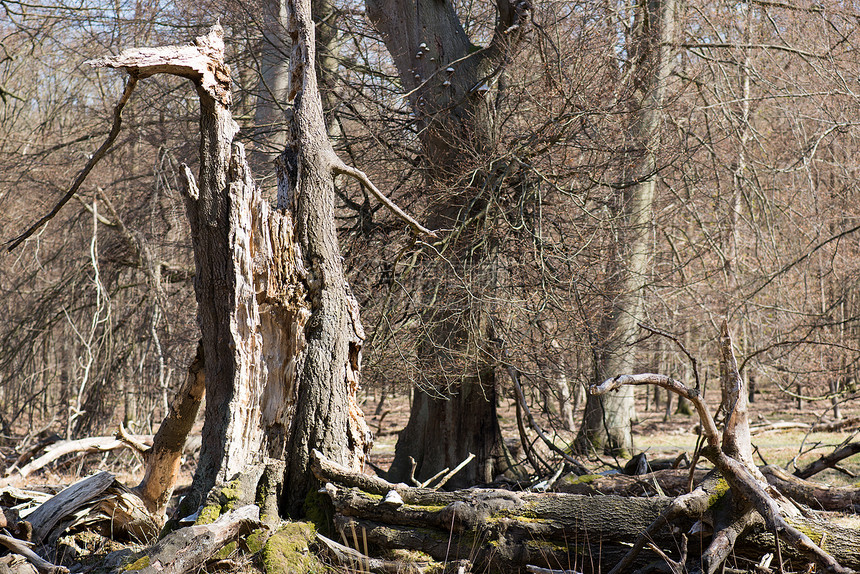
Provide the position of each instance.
(272, 303)
(280, 329)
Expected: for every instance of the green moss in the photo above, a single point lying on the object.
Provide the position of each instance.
(584, 479)
(809, 531)
(223, 502)
(208, 514)
(226, 551)
(421, 508)
(546, 545)
(138, 564)
(318, 509)
(229, 495)
(256, 540)
(720, 489)
(288, 551)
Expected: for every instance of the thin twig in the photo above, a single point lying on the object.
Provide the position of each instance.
(94, 159)
(454, 471)
(522, 399)
(681, 346)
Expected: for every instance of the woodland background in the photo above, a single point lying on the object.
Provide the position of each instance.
(754, 218)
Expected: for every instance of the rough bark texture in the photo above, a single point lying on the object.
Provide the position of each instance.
(327, 415)
(606, 422)
(504, 531)
(188, 549)
(452, 87)
(280, 332)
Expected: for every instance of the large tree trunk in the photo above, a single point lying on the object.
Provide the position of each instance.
(452, 91)
(607, 418)
(280, 332)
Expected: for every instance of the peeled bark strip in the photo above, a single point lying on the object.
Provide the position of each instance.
(163, 459)
(97, 501)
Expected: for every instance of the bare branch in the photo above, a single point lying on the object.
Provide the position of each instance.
(668, 383)
(82, 176)
(339, 167)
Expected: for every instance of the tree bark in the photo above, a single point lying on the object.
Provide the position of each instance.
(607, 418)
(451, 87)
(280, 332)
(327, 415)
(504, 531)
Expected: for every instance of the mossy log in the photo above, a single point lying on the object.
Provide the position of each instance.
(504, 531)
(187, 549)
(675, 482)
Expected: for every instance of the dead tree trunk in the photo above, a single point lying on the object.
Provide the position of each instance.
(281, 333)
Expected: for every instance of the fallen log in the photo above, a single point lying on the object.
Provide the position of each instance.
(670, 482)
(828, 461)
(85, 445)
(674, 483)
(733, 511)
(355, 560)
(505, 531)
(189, 548)
(98, 501)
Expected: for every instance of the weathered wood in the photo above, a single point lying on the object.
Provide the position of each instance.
(673, 482)
(351, 558)
(828, 461)
(21, 548)
(59, 507)
(97, 501)
(818, 496)
(187, 549)
(84, 445)
(163, 459)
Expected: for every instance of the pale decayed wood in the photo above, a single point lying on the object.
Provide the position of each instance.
(164, 458)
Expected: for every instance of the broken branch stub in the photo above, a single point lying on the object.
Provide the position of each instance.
(201, 62)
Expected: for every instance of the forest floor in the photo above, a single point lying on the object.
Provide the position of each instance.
(653, 433)
(660, 437)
